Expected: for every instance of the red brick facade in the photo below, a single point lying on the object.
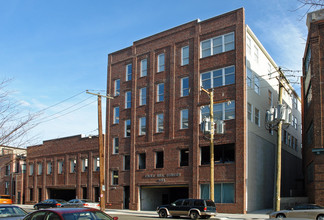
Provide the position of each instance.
(134, 181)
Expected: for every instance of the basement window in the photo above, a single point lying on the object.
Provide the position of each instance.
(222, 154)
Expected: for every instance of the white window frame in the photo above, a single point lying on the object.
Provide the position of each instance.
(161, 63)
(143, 96)
(256, 54)
(126, 121)
(115, 145)
(85, 164)
(184, 55)
(128, 102)
(250, 112)
(96, 163)
(141, 126)
(72, 165)
(159, 93)
(143, 68)
(39, 168)
(159, 123)
(60, 166)
(49, 168)
(256, 83)
(31, 169)
(129, 73)
(248, 45)
(184, 89)
(257, 114)
(224, 107)
(249, 77)
(211, 46)
(184, 120)
(117, 87)
(116, 117)
(211, 73)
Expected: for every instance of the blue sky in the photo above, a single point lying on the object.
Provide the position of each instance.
(54, 50)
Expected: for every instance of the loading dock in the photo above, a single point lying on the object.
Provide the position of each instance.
(153, 196)
(66, 194)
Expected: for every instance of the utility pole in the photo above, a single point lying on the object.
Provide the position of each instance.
(101, 153)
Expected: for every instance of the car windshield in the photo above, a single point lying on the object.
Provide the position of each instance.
(6, 212)
(4, 197)
(60, 201)
(86, 200)
(87, 215)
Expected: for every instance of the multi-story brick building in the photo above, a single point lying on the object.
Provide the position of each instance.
(313, 108)
(155, 149)
(12, 167)
(64, 168)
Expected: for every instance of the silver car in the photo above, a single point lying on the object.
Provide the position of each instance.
(81, 203)
(306, 211)
(12, 212)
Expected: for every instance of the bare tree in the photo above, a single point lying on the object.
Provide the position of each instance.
(311, 5)
(14, 127)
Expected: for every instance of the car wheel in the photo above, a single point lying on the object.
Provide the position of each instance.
(280, 216)
(194, 215)
(163, 213)
(320, 217)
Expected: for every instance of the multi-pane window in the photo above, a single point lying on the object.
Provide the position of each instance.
(142, 161)
(222, 111)
(160, 92)
(60, 167)
(270, 98)
(84, 164)
(219, 77)
(217, 45)
(222, 154)
(249, 77)
(294, 100)
(223, 192)
(142, 96)
(31, 169)
(115, 145)
(142, 126)
(126, 162)
(161, 62)
(116, 115)
(184, 86)
(96, 164)
(143, 67)
(248, 45)
(8, 170)
(39, 168)
(256, 54)
(114, 177)
(159, 123)
(184, 118)
(128, 72)
(249, 111)
(256, 84)
(184, 157)
(72, 166)
(128, 99)
(117, 87)
(257, 116)
(127, 128)
(49, 168)
(185, 55)
(159, 159)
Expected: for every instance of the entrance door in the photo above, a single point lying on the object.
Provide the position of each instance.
(126, 197)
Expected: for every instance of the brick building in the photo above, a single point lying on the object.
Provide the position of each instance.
(64, 168)
(155, 149)
(313, 108)
(12, 167)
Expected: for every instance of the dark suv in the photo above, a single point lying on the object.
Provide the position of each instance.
(195, 208)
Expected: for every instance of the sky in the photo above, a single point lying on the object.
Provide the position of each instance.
(53, 51)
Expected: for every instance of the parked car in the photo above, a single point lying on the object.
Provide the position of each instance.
(12, 212)
(195, 208)
(5, 199)
(309, 211)
(49, 203)
(81, 203)
(69, 214)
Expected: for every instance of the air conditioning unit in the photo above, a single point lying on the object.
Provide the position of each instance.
(220, 127)
(206, 126)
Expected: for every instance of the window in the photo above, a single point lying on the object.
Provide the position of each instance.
(256, 84)
(184, 86)
(184, 119)
(60, 167)
(117, 87)
(185, 55)
(114, 177)
(217, 78)
(128, 128)
(128, 72)
(257, 116)
(143, 67)
(31, 194)
(222, 111)
(84, 164)
(222, 154)
(8, 170)
(7, 188)
(49, 168)
(159, 159)
(115, 145)
(72, 166)
(126, 162)
(142, 161)
(256, 54)
(249, 77)
(294, 100)
(309, 139)
(31, 169)
(184, 157)
(96, 164)
(270, 98)
(116, 115)
(249, 111)
(269, 70)
(217, 45)
(248, 45)
(159, 123)
(142, 126)
(160, 62)
(224, 192)
(142, 96)
(128, 99)
(39, 168)
(295, 123)
(160, 92)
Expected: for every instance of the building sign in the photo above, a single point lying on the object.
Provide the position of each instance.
(161, 177)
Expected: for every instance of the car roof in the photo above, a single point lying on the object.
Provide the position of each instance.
(71, 210)
(9, 206)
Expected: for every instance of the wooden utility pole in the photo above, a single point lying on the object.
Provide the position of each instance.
(101, 154)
